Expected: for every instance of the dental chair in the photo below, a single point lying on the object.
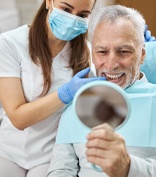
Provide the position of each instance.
(149, 65)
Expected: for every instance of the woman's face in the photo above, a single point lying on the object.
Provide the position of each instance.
(81, 8)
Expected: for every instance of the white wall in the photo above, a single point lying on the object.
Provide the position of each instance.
(9, 15)
(28, 9)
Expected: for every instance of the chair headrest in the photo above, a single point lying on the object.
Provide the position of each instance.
(149, 65)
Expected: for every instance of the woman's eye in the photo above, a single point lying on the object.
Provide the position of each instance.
(66, 9)
(83, 15)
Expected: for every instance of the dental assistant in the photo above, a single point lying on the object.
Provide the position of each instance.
(37, 65)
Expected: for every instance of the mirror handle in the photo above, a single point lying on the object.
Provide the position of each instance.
(97, 168)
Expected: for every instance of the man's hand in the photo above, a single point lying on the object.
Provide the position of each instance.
(107, 149)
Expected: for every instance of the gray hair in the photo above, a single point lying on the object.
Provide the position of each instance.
(112, 13)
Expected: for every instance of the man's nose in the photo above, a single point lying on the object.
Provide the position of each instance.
(112, 62)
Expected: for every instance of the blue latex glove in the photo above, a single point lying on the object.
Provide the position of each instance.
(147, 35)
(67, 91)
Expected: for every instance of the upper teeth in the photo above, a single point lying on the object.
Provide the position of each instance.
(114, 76)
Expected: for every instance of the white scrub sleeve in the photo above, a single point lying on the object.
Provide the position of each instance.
(142, 167)
(9, 61)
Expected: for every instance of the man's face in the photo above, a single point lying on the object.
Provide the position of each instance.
(116, 53)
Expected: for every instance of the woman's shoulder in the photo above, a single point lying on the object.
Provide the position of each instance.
(18, 30)
(16, 36)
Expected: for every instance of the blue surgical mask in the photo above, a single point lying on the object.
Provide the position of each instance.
(66, 26)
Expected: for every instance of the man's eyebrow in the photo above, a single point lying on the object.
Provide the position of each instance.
(84, 11)
(126, 47)
(99, 47)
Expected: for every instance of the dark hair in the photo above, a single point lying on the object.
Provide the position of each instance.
(40, 52)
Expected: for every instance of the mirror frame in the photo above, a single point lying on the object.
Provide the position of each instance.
(103, 83)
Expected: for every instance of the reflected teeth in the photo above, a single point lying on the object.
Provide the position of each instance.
(115, 76)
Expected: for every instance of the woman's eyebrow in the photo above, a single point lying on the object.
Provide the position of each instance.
(68, 5)
(84, 11)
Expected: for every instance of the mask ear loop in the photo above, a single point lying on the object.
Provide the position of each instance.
(49, 12)
(47, 6)
(52, 5)
(52, 2)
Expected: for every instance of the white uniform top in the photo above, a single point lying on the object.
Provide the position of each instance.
(31, 146)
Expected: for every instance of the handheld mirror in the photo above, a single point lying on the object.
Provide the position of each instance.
(101, 102)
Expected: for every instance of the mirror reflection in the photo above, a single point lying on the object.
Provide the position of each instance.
(101, 104)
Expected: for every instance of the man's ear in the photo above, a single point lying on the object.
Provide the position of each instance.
(143, 54)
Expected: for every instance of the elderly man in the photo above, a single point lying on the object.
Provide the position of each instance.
(117, 51)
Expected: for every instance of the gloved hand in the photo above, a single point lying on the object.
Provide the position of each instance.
(147, 35)
(68, 90)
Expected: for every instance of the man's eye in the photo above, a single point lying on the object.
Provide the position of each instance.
(124, 52)
(102, 52)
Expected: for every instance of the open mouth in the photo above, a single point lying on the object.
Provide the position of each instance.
(115, 76)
